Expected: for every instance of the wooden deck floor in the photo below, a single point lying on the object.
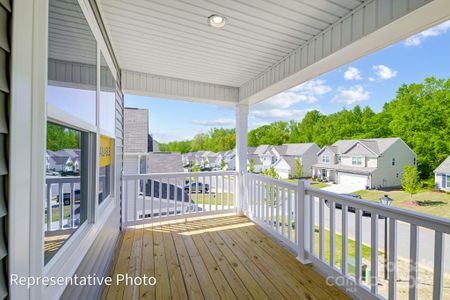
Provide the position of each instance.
(215, 258)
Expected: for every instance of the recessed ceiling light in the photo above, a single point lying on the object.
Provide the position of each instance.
(217, 21)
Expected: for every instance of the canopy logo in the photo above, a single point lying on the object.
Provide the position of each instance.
(105, 151)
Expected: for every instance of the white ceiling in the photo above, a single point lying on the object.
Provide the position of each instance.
(171, 37)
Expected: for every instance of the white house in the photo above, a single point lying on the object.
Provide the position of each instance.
(368, 163)
(285, 157)
(442, 175)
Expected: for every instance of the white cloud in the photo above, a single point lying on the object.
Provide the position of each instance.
(280, 107)
(351, 95)
(417, 39)
(216, 122)
(280, 114)
(384, 72)
(371, 79)
(315, 87)
(164, 136)
(352, 73)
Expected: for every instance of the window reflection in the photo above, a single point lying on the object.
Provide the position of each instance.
(107, 97)
(71, 91)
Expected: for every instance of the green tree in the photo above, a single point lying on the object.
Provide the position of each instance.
(271, 172)
(411, 180)
(251, 165)
(222, 164)
(195, 168)
(59, 137)
(298, 168)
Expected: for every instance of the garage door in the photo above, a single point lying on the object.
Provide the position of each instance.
(353, 179)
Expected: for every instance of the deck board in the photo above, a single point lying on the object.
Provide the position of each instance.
(223, 257)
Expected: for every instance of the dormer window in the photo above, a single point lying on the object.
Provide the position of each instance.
(357, 161)
(325, 158)
(393, 161)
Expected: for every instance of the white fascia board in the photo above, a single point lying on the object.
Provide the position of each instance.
(372, 26)
(143, 84)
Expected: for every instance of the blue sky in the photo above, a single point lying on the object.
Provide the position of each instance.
(370, 81)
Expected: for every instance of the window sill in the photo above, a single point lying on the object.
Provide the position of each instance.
(69, 257)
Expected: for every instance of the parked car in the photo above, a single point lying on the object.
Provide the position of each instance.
(350, 209)
(66, 197)
(217, 169)
(197, 187)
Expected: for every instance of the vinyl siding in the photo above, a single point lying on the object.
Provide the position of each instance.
(5, 27)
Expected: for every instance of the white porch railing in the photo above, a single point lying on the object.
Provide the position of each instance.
(166, 196)
(282, 207)
(57, 201)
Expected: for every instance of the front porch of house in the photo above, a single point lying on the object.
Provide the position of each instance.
(218, 257)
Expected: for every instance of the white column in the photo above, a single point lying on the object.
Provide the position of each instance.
(241, 155)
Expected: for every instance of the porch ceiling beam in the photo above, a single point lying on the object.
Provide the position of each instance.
(174, 88)
(372, 26)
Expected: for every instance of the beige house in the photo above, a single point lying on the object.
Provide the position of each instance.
(368, 163)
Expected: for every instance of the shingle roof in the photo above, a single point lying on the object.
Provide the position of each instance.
(293, 149)
(261, 149)
(444, 167)
(255, 158)
(378, 146)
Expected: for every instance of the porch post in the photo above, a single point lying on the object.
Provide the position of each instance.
(241, 155)
(302, 222)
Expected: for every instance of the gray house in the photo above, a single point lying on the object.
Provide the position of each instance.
(442, 175)
(372, 163)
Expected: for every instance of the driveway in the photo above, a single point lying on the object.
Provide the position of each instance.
(342, 188)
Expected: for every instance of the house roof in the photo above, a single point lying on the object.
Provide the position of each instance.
(60, 160)
(444, 167)
(377, 146)
(261, 149)
(294, 149)
(256, 159)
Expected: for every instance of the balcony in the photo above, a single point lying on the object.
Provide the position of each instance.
(221, 257)
(233, 235)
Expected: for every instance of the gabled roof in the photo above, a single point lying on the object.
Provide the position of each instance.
(251, 150)
(255, 158)
(262, 149)
(294, 149)
(444, 167)
(377, 146)
(60, 160)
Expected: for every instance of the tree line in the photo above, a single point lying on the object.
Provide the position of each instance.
(419, 114)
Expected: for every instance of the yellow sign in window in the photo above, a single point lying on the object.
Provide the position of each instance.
(105, 151)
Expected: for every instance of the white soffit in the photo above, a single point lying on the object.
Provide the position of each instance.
(172, 38)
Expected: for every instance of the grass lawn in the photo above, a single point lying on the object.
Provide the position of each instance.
(55, 213)
(429, 202)
(227, 199)
(313, 183)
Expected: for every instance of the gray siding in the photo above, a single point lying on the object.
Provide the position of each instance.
(100, 256)
(5, 24)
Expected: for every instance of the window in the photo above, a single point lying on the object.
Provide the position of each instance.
(325, 158)
(72, 127)
(448, 181)
(357, 161)
(414, 161)
(393, 161)
(66, 181)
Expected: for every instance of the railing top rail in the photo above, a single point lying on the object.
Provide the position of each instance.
(62, 179)
(178, 175)
(271, 180)
(408, 216)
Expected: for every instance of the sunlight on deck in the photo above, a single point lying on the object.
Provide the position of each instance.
(213, 258)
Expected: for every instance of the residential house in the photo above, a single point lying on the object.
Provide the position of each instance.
(164, 162)
(285, 157)
(64, 51)
(442, 175)
(367, 163)
(257, 162)
(230, 160)
(209, 159)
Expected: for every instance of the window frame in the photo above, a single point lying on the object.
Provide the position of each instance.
(326, 159)
(357, 158)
